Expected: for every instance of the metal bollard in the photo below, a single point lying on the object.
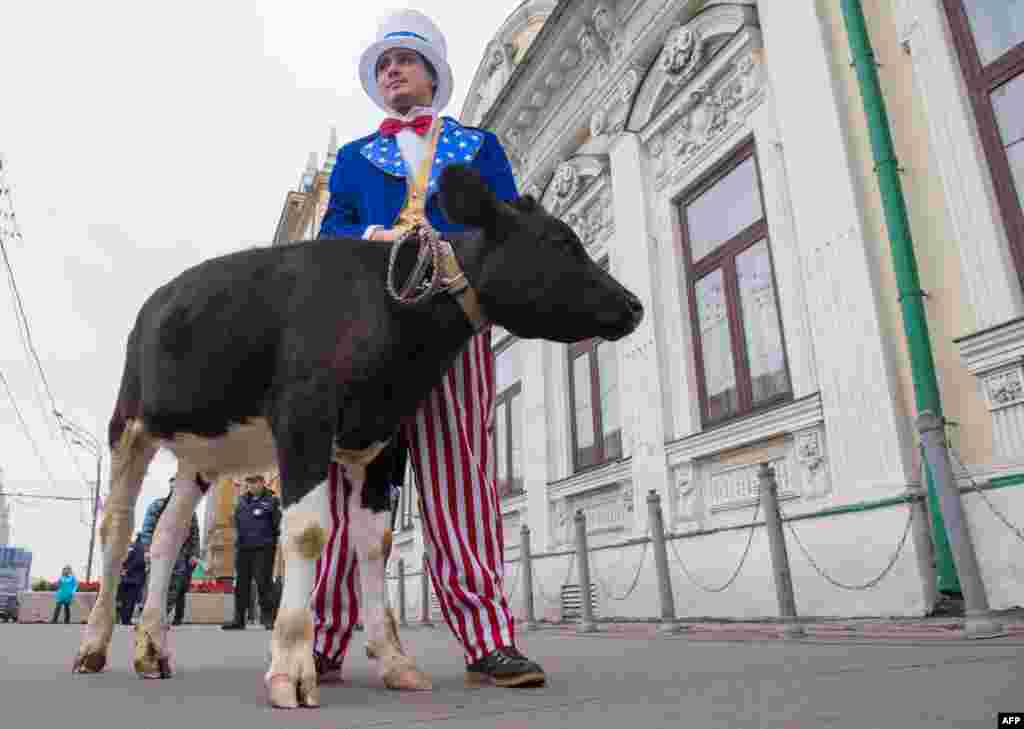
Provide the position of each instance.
(978, 621)
(923, 546)
(669, 624)
(526, 565)
(425, 596)
(587, 624)
(401, 593)
(777, 545)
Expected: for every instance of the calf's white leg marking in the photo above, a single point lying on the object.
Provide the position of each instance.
(291, 678)
(152, 651)
(129, 460)
(371, 537)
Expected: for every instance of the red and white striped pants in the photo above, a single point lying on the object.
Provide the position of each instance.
(450, 452)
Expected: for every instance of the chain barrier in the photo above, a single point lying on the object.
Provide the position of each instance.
(636, 577)
(739, 567)
(864, 585)
(1017, 531)
(557, 600)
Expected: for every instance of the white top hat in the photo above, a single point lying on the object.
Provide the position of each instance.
(414, 30)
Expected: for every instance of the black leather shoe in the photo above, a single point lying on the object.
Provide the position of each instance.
(505, 667)
(233, 626)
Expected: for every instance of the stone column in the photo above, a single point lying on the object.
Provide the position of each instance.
(535, 440)
(634, 263)
(867, 426)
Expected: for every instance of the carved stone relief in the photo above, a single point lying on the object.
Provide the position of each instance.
(707, 114)
(682, 53)
(1004, 388)
(566, 183)
(686, 495)
(809, 446)
(604, 25)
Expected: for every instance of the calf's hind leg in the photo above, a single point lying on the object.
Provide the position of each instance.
(130, 458)
(371, 534)
(152, 652)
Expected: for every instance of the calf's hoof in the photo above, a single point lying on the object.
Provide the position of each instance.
(150, 661)
(89, 660)
(285, 692)
(405, 675)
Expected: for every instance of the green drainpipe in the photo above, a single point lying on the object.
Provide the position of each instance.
(915, 326)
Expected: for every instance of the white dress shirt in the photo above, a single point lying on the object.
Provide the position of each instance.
(412, 146)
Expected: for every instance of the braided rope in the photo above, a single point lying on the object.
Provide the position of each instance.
(429, 253)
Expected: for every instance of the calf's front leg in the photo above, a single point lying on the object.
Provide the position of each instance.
(291, 678)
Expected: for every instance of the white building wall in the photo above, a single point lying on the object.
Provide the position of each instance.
(843, 441)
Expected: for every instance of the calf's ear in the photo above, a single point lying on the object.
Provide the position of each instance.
(466, 199)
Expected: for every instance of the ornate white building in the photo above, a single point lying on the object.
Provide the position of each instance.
(714, 155)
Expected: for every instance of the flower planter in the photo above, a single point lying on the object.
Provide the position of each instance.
(37, 607)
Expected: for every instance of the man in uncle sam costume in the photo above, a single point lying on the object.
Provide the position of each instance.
(382, 185)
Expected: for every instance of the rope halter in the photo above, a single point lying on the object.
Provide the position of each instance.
(436, 269)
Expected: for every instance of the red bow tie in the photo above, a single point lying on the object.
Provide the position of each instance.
(420, 125)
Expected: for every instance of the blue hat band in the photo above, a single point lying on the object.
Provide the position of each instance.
(407, 34)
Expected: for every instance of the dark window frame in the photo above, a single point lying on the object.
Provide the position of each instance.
(588, 348)
(723, 257)
(981, 81)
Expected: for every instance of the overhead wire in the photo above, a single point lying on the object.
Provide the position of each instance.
(25, 333)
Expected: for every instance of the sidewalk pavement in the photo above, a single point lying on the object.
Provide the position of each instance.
(714, 676)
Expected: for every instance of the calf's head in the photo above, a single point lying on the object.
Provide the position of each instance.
(530, 270)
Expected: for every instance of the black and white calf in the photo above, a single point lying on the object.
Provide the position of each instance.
(296, 355)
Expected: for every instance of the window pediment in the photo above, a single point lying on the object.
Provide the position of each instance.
(688, 50)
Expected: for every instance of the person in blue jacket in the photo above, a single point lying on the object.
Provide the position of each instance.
(382, 186)
(133, 579)
(187, 556)
(67, 586)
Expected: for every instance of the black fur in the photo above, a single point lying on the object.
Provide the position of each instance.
(306, 335)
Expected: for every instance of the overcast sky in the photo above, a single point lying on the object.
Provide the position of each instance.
(140, 139)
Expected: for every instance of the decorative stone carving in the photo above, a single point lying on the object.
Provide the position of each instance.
(808, 449)
(627, 497)
(682, 53)
(495, 60)
(627, 85)
(604, 24)
(570, 57)
(566, 182)
(737, 487)
(533, 191)
(526, 117)
(538, 99)
(809, 446)
(587, 43)
(560, 523)
(597, 123)
(685, 494)
(554, 80)
(1004, 388)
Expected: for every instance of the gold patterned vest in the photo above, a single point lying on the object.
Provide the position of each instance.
(414, 210)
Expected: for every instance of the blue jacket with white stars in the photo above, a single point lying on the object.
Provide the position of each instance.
(368, 182)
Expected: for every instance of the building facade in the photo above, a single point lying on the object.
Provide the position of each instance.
(716, 157)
